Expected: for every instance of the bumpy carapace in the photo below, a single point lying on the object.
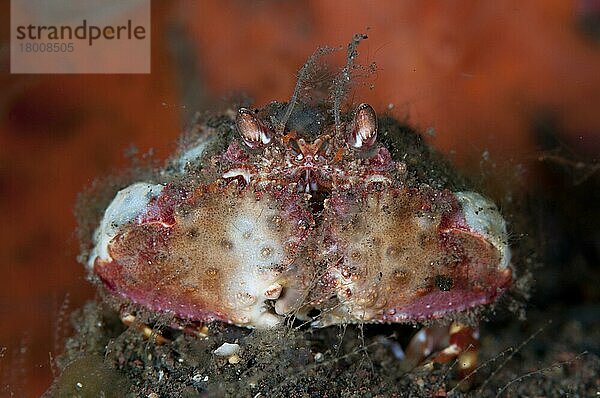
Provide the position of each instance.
(280, 223)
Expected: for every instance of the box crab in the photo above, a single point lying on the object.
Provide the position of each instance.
(287, 221)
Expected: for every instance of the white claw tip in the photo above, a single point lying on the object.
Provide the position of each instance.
(483, 217)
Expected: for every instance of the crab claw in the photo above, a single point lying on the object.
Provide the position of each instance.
(403, 255)
(254, 132)
(363, 129)
(223, 256)
(481, 217)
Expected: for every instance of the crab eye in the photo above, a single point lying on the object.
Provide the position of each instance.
(363, 129)
(254, 133)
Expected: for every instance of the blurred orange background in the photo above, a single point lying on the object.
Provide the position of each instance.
(478, 74)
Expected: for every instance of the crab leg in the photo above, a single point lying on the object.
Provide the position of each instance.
(131, 321)
(456, 341)
(464, 346)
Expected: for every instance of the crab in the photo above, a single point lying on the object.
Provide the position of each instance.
(283, 222)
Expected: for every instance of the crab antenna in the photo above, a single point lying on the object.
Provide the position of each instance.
(302, 77)
(363, 130)
(254, 133)
(340, 84)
